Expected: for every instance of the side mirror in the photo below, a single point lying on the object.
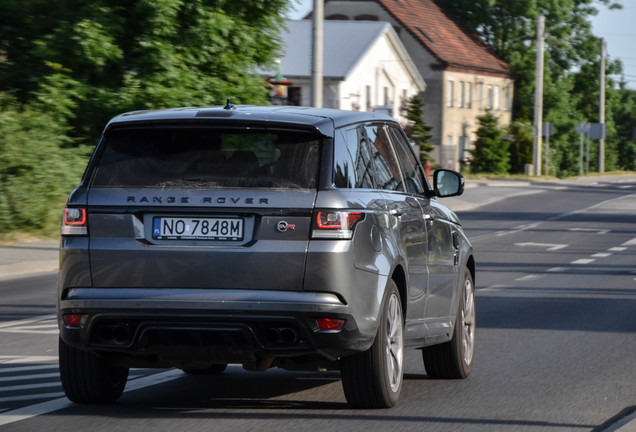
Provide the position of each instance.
(448, 183)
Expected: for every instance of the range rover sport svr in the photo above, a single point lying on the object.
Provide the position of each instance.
(290, 237)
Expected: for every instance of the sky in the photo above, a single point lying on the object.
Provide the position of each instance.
(618, 27)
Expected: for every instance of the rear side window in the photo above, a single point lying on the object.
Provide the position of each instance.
(353, 167)
(205, 158)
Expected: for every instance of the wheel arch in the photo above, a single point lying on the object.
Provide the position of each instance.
(471, 267)
(399, 277)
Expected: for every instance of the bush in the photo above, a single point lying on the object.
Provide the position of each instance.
(38, 169)
(490, 153)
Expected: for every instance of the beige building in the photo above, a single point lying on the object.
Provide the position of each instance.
(463, 75)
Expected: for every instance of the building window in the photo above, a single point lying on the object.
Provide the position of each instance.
(508, 102)
(491, 97)
(480, 95)
(460, 94)
(404, 103)
(366, 17)
(468, 98)
(451, 93)
(339, 17)
(294, 96)
(387, 101)
(497, 98)
(368, 96)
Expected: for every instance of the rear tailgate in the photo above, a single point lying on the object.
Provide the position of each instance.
(259, 242)
(191, 206)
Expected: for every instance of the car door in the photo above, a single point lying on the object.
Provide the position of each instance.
(407, 225)
(414, 226)
(439, 251)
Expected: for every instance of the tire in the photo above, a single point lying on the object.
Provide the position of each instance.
(88, 378)
(454, 359)
(373, 378)
(215, 369)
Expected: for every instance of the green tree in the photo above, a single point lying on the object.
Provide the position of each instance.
(38, 169)
(101, 57)
(67, 67)
(417, 130)
(521, 132)
(490, 152)
(625, 119)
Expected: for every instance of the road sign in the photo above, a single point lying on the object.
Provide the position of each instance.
(582, 128)
(597, 131)
(548, 129)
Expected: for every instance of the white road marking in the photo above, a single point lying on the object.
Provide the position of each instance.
(31, 397)
(495, 288)
(27, 368)
(30, 386)
(530, 277)
(591, 230)
(30, 330)
(557, 269)
(631, 242)
(25, 377)
(583, 261)
(10, 359)
(28, 321)
(30, 411)
(45, 324)
(547, 246)
(601, 255)
(617, 249)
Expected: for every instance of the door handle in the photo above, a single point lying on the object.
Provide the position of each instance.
(396, 213)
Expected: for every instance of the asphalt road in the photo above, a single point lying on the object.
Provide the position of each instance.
(556, 339)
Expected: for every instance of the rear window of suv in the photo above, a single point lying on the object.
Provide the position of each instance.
(205, 158)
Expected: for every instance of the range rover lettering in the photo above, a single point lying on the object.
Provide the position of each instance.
(290, 237)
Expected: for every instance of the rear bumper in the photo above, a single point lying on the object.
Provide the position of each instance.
(175, 326)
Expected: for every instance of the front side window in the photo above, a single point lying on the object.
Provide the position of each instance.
(412, 173)
(386, 167)
(207, 158)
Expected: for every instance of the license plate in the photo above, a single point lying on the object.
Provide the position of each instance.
(179, 228)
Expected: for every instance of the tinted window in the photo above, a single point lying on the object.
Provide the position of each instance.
(352, 160)
(208, 158)
(412, 174)
(387, 172)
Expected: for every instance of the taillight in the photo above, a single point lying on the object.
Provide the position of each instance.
(73, 320)
(335, 224)
(330, 324)
(74, 221)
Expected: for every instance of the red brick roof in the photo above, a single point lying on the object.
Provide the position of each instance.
(445, 38)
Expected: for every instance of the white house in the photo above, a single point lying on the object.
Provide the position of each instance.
(365, 66)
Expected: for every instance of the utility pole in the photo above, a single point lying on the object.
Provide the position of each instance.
(538, 96)
(317, 19)
(601, 111)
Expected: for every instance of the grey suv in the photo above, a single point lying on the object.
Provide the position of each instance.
(291, 237)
